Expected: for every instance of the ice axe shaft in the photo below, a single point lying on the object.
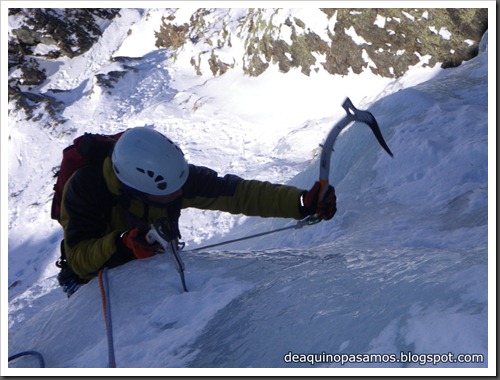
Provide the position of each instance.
(158, 233)
(353, 115)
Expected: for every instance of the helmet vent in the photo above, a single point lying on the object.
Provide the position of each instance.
(162, 185)
(148, 161)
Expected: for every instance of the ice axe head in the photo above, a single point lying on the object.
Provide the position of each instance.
(376, 131)
(367, 118)
(353, 115)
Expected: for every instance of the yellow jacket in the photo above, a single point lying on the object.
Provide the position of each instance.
(95, 212)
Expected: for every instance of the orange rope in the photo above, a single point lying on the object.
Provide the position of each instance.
(107, 318)
(103, 298)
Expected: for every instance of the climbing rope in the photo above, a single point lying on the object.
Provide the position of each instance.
(106, 307)
(309, 221)
(29, 353)
(104, 287)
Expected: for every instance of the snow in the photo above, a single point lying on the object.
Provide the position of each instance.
(380, 21)
(445, 33)
(407, 264)
(316, 22)
(358, 40)
(409, 16)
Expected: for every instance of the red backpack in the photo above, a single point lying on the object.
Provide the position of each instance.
(88, 149)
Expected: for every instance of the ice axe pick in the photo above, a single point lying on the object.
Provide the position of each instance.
(353, 115)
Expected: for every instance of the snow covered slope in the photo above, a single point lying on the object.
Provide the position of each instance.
(403, 267)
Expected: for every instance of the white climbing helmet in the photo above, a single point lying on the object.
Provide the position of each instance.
(149, 162)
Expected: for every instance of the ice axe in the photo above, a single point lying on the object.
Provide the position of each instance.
(353, 115)
(161, 232)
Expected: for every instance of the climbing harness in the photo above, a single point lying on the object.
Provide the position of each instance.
(106, 307)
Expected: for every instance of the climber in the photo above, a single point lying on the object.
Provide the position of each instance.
(106, 209)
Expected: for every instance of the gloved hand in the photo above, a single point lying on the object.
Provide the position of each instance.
(325, 208)
(135, 240)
